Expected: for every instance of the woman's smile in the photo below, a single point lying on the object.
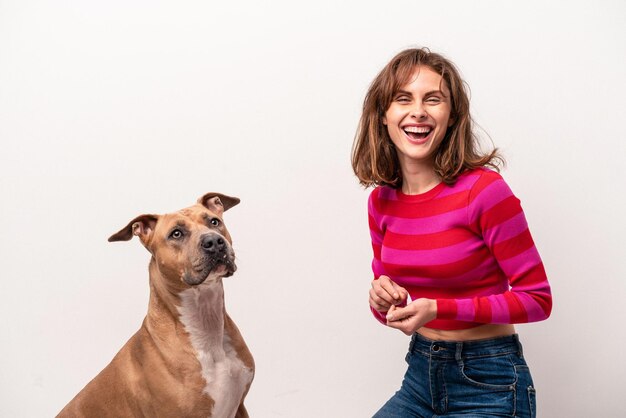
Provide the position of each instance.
(418, 133)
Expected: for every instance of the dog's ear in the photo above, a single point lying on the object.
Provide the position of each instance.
(142, 226)
(217, 202)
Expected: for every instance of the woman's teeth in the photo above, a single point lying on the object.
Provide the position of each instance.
(417, 132)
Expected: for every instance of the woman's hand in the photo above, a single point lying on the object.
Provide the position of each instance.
(413, 316)
(385, 293)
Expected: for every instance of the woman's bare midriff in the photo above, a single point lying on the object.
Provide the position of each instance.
(480, 332)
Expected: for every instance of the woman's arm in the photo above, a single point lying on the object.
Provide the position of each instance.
(384, 293)
(496, 214)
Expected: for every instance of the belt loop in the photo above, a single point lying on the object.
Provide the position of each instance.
(459, 351)
(412, 343)
(520, 350)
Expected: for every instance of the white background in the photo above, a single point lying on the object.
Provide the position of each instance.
(117, 108)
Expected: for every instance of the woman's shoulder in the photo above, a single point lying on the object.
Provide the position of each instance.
(482, 177)
(483, 172)
(489, 185)
(381, 191)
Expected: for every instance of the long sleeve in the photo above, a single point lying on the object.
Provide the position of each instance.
(376, 234)
(496, 214)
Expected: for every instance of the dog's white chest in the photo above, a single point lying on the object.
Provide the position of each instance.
(225, 374)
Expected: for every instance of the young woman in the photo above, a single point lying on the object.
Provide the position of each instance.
(454, 263)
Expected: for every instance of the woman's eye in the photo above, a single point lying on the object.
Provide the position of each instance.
(215, 222)
(402, 99)
(433, 100)
(176, 234)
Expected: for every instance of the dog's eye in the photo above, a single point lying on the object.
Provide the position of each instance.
(215, 222)
(176, 234)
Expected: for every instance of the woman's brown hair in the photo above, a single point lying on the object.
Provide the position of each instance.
(374, 158)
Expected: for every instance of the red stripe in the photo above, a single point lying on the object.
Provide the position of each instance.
(399, 208)
(513, 246)
(427, 241)
(376, 249)
(517, 310)
(544, 299)
(499, 213)
(373, 225)
(482, 309)
(446, 309)
(534, 276)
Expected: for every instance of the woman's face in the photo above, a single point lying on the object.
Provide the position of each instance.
(418, 117)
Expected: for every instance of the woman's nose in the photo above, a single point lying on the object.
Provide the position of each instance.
(418, 111)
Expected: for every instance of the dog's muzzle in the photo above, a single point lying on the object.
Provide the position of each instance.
(217, 258)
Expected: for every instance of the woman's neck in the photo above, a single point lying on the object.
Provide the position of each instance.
(418, 178)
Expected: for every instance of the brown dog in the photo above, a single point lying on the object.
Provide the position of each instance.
(188, 359)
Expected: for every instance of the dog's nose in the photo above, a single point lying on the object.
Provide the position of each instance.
(213, 244)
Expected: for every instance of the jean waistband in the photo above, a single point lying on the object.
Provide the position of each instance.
(463, 349)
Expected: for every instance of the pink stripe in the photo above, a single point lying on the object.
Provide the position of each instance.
(465, 309)
(463, 184)
(520, 263)
(534, 311)
(427, 225)
(377, 237)
(506, 230)
(499, 309)
(377, 268)
(437, 256)
(490, 196)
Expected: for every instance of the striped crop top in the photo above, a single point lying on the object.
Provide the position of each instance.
(467, 246)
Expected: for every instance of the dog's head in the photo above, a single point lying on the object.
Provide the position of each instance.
(192, 244)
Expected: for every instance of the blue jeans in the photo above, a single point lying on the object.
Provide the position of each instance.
(471, 379)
